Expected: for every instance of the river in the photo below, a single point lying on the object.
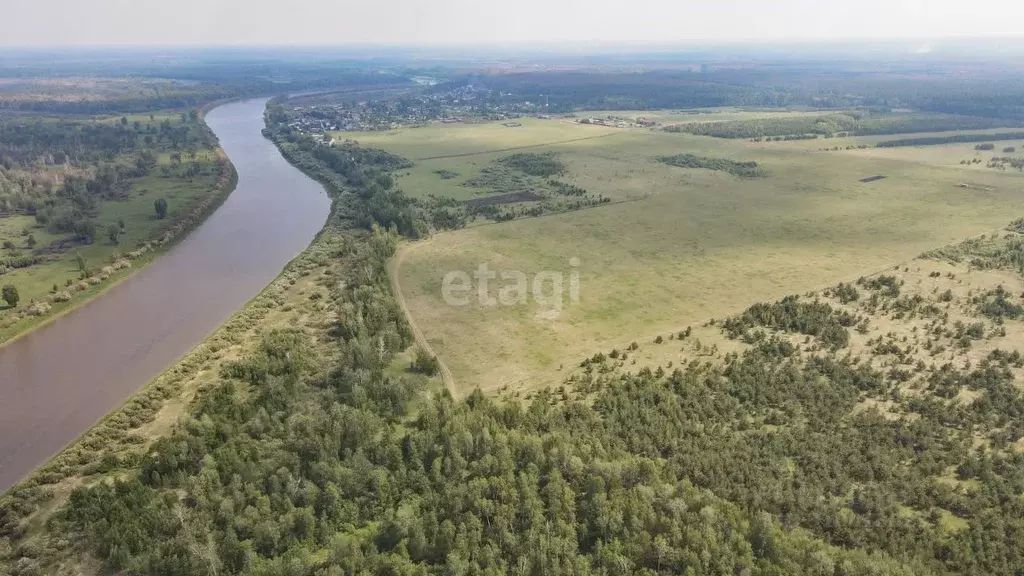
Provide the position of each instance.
(59, 380)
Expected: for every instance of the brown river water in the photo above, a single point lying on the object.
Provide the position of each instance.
(60, 379)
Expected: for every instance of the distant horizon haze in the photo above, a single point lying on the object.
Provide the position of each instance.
(525, 23)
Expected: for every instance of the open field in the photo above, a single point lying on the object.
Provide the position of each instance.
(701, 114)
(697, 244)
(437, 140)
(940, 155)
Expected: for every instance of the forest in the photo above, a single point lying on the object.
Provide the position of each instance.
(778, 84)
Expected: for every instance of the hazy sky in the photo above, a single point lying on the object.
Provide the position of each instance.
(64, 22)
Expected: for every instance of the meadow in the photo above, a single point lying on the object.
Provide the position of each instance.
(676, 246)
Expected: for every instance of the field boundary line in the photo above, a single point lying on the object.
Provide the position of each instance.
(418, 336)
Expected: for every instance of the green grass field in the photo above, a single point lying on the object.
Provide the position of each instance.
(693, 245)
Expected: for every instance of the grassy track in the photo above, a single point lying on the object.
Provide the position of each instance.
(396, 288)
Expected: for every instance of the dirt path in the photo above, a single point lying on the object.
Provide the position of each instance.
(396, 288)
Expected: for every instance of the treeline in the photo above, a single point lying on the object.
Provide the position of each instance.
(25, 140)
(351, 167)
(951, 139)
(203, 83)
(742, 169)
(853, 123)
(568, 91)
(960, 102)
(769, 127)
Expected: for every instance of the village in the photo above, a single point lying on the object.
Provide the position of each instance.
(464, 104)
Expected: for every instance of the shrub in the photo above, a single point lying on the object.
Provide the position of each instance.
(38, 309)
(534, 164)
(425, 363)
(10, 295)
(160, 205)
(63, 296)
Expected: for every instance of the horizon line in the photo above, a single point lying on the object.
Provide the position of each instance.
(528, 45)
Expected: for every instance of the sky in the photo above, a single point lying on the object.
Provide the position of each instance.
(509, 22)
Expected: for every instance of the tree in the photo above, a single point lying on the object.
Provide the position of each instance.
(113, 231)
(31, 241)
(10, 295)
(425, 363)
(161, 208)
(86, 231)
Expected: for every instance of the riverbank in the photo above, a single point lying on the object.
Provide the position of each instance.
(60, 379)
(147, 252)
(84, 272)
(299, 299)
